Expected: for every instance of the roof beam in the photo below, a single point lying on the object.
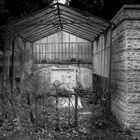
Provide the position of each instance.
(81, 16)
(43, 36)
(55, 18)
(83, 31)
(31, 26)
(38, 31)
(33, 29)
(78, 34)
(34, 15)
(81, 20)
(45, 29)
(83, 27)
(86, 14)
(37, 20)
(59, 16)
(75, 21)
(41, 32)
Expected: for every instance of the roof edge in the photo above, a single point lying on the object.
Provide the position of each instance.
(31, 14)
(85, 13)
(53, 5)
(124, 7)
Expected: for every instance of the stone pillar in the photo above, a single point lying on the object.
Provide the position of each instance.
(126, 68)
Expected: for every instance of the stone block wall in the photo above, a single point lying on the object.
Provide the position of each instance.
(133, 70)
(118, 73)
(125, 68)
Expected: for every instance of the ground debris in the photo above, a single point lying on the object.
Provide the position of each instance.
(91, 126)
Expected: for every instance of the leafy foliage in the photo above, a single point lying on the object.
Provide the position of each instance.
(54, 125)
(91, 6)
(102, 8)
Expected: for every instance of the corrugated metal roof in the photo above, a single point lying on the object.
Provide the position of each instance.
(59, 17)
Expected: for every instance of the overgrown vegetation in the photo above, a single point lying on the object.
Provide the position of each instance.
(35, 115)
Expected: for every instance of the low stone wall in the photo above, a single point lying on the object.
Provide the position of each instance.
(84, 75)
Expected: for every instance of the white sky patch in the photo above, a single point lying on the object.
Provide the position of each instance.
(61, 1)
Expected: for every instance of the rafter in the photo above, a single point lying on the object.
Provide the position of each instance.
(59, 17)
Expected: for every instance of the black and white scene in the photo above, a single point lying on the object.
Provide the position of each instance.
(69, 69)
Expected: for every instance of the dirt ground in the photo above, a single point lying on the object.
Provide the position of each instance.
(91, 125)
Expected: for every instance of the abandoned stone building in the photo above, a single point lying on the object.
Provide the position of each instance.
(67, 45)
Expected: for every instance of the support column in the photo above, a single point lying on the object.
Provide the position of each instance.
(12, 65)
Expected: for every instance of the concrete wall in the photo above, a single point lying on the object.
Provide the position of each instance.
(83, 75)
(125, 68)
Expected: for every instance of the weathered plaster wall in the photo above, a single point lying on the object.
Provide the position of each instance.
(125, 67)
(17, 60)
(83, 75)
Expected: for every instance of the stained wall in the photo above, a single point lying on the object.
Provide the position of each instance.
(125, 76)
